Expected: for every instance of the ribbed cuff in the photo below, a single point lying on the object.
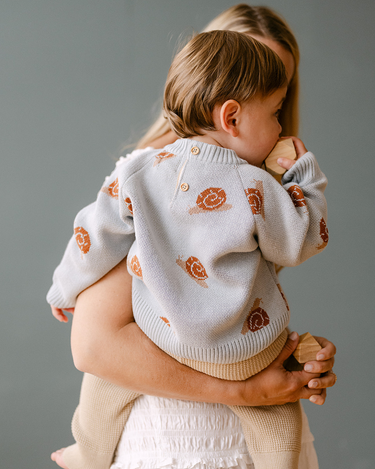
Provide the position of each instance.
(55, 298)
(279, 460)
(304, 169)
(79, 457)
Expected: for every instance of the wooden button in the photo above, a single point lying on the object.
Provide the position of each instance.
(195, 150)
(184, 187)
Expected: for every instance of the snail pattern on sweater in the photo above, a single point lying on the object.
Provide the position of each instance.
(201, 232)
(213, 198)
(256, 319)
(255, 196)
(164, 155)
(82, 239)
(323, 234)
(194, 268)
(112, 189)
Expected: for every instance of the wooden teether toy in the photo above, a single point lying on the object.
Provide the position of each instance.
(306, 350)
(283, 149)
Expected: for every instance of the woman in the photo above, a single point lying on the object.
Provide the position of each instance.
(108, 344)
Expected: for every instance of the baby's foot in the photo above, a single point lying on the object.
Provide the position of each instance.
(57, 456)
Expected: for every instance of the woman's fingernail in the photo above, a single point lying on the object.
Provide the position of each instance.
(313, 399)
(308, 367)
(293, 335)
(313, 384)
(320, 357)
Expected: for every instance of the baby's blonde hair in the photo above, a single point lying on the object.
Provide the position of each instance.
(262, 22)
(212, 68)
(266, 23)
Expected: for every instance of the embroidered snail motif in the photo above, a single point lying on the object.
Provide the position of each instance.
(255, 200)
(166, 321)
(213, 198)
(135, 267)
(82, 239)
(164, 155)
(194, 268)
(297, 196)
(255, 197)
(129, 204)
(323, 234)
(112, 189)
(256, 319)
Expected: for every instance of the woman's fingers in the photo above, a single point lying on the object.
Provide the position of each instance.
(289, 348)
(328, 350)
(327, 380)
(319, 399)
(319, 367)
(325, 358)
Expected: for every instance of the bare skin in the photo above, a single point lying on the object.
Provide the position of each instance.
(57, 456)
(111, 346)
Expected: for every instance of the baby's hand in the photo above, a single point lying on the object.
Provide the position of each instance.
(59, 314)
(286, 163)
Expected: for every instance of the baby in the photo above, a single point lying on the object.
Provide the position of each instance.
(202, 226)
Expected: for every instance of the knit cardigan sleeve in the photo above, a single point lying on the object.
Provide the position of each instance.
(103, 234)
(290, 219)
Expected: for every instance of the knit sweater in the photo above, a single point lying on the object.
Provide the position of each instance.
(202, 229)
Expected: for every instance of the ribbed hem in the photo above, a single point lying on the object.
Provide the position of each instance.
(79, 457)
(231, 352)
(241, 370)
(280, 460)
(208, 153)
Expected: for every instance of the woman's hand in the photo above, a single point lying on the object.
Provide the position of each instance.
(108, 343)
(286, 163)
(276, 386)
(323, 364)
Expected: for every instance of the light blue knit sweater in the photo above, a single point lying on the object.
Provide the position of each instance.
(202, 230)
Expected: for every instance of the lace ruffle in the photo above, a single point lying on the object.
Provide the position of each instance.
(172, 434)
(243, 461)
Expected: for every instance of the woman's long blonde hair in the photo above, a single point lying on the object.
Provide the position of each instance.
(257, 21)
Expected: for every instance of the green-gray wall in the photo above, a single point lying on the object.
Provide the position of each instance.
(81, 77)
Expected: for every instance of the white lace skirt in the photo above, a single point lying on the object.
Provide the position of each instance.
(171, 434)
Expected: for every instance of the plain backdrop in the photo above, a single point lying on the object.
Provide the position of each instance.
(79, 78)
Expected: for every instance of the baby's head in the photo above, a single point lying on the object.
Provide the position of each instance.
(225, 85)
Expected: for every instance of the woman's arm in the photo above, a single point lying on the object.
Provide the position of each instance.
(108, 343)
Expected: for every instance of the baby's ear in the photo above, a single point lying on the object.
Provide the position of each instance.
(229, 117)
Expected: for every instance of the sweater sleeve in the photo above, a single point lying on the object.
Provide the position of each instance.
(290, 219)
(103, 234)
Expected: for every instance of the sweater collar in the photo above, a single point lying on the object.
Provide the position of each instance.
(207, 152)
